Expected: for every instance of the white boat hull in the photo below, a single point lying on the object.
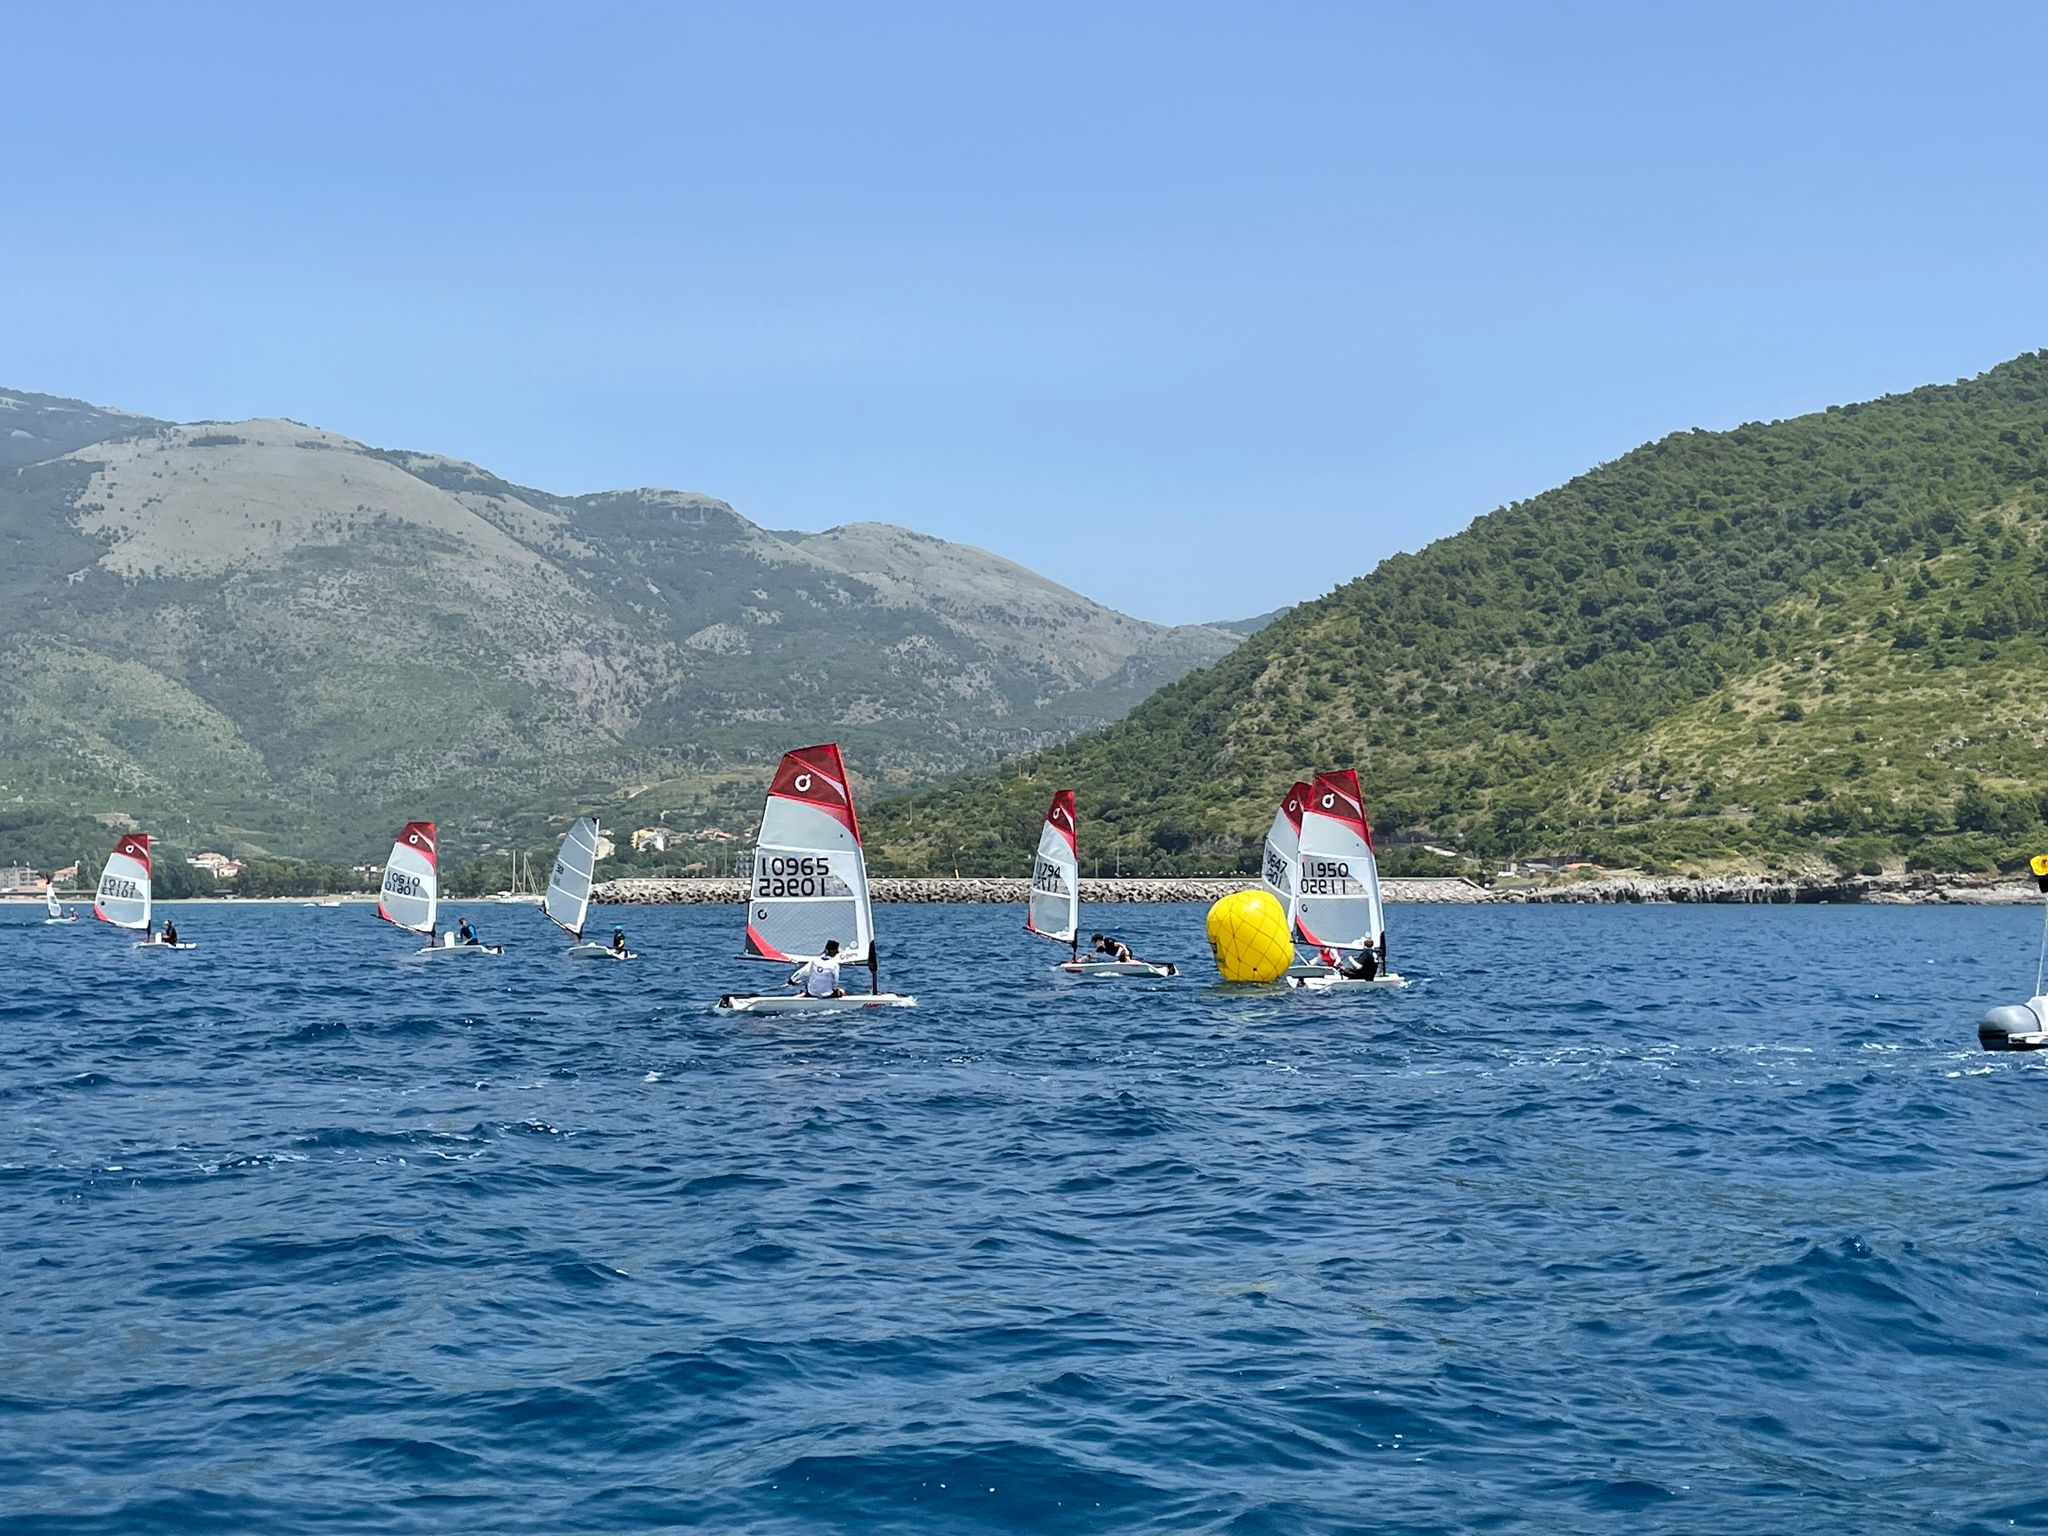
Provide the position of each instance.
(1329, 982)
(58, 922)
(795, 1003)
(601, 952)
(1108, 969)
(1308, 971)
(442, 951)
(160, 944)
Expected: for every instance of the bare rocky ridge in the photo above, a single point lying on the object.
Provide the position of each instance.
(291, 640)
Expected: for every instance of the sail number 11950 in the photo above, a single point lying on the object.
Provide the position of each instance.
(1328, 877)
(783, 875)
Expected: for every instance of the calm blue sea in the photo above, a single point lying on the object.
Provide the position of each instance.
(1672, 1219)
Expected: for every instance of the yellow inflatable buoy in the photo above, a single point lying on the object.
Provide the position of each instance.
(1248, 933)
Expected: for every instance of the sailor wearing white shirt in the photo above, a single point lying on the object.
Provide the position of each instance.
(820, 977)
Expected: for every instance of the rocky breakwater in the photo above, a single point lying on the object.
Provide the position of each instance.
(998, 890)
(1924, 888)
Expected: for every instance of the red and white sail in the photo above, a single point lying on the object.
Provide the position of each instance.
(1054, 907)
(412, 880)
(810, 878)
(1283, 851)
(123, 896)
(1339, 879)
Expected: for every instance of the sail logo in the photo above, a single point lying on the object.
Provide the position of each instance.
(114, 887)
(1059, 817)
(398, 883)
(802, 783)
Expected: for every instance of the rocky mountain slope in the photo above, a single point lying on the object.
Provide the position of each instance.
(1816, 641)
(289, 641)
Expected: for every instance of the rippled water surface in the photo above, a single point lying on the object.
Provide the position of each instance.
(1620, 1219)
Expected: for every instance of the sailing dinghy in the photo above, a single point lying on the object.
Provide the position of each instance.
(1053, 908)
(567, 902)
(811, 886)
(123, 895)
(54, 907)
(1281, 872)
(411, 897)
(1338, 879)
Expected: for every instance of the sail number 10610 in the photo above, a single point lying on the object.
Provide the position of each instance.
(783, 875)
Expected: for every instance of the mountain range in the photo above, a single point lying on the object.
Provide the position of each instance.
(1810, 641)
(277, 638)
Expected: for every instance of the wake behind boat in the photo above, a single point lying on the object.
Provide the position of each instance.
(1052, 910)
(809, 902)
(567, 903)
(411, 894)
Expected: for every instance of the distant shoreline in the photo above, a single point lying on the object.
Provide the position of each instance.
(1920, 889)
(1928, 889)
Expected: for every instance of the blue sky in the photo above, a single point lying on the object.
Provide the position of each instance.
(1198, 308)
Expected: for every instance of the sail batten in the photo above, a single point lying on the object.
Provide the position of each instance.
(411, 896)
(1054, 906)
(568, 897)
(123, 895)
(810, 880)
(1338, 877)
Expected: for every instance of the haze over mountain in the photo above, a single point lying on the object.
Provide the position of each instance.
(1819, 638)
(291, 641)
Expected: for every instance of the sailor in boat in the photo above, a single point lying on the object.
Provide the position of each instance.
(618, 941)
(820, 977)
(170, 930)
(464, 934)
(1111, 949)
(1364, 968)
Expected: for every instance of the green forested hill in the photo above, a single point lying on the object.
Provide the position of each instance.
(1819, 638)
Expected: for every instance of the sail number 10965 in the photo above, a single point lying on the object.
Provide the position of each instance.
(792, 875)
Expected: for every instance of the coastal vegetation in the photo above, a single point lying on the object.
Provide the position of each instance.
(1804, 643)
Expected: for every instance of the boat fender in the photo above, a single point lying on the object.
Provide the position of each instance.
(1995, 1031)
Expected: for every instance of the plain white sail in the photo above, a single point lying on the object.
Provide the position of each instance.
(1338, 877)
(568, 898)
(810, 878)
(412, 880)
(123, 897)
(50, 900)
(1054, 907)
